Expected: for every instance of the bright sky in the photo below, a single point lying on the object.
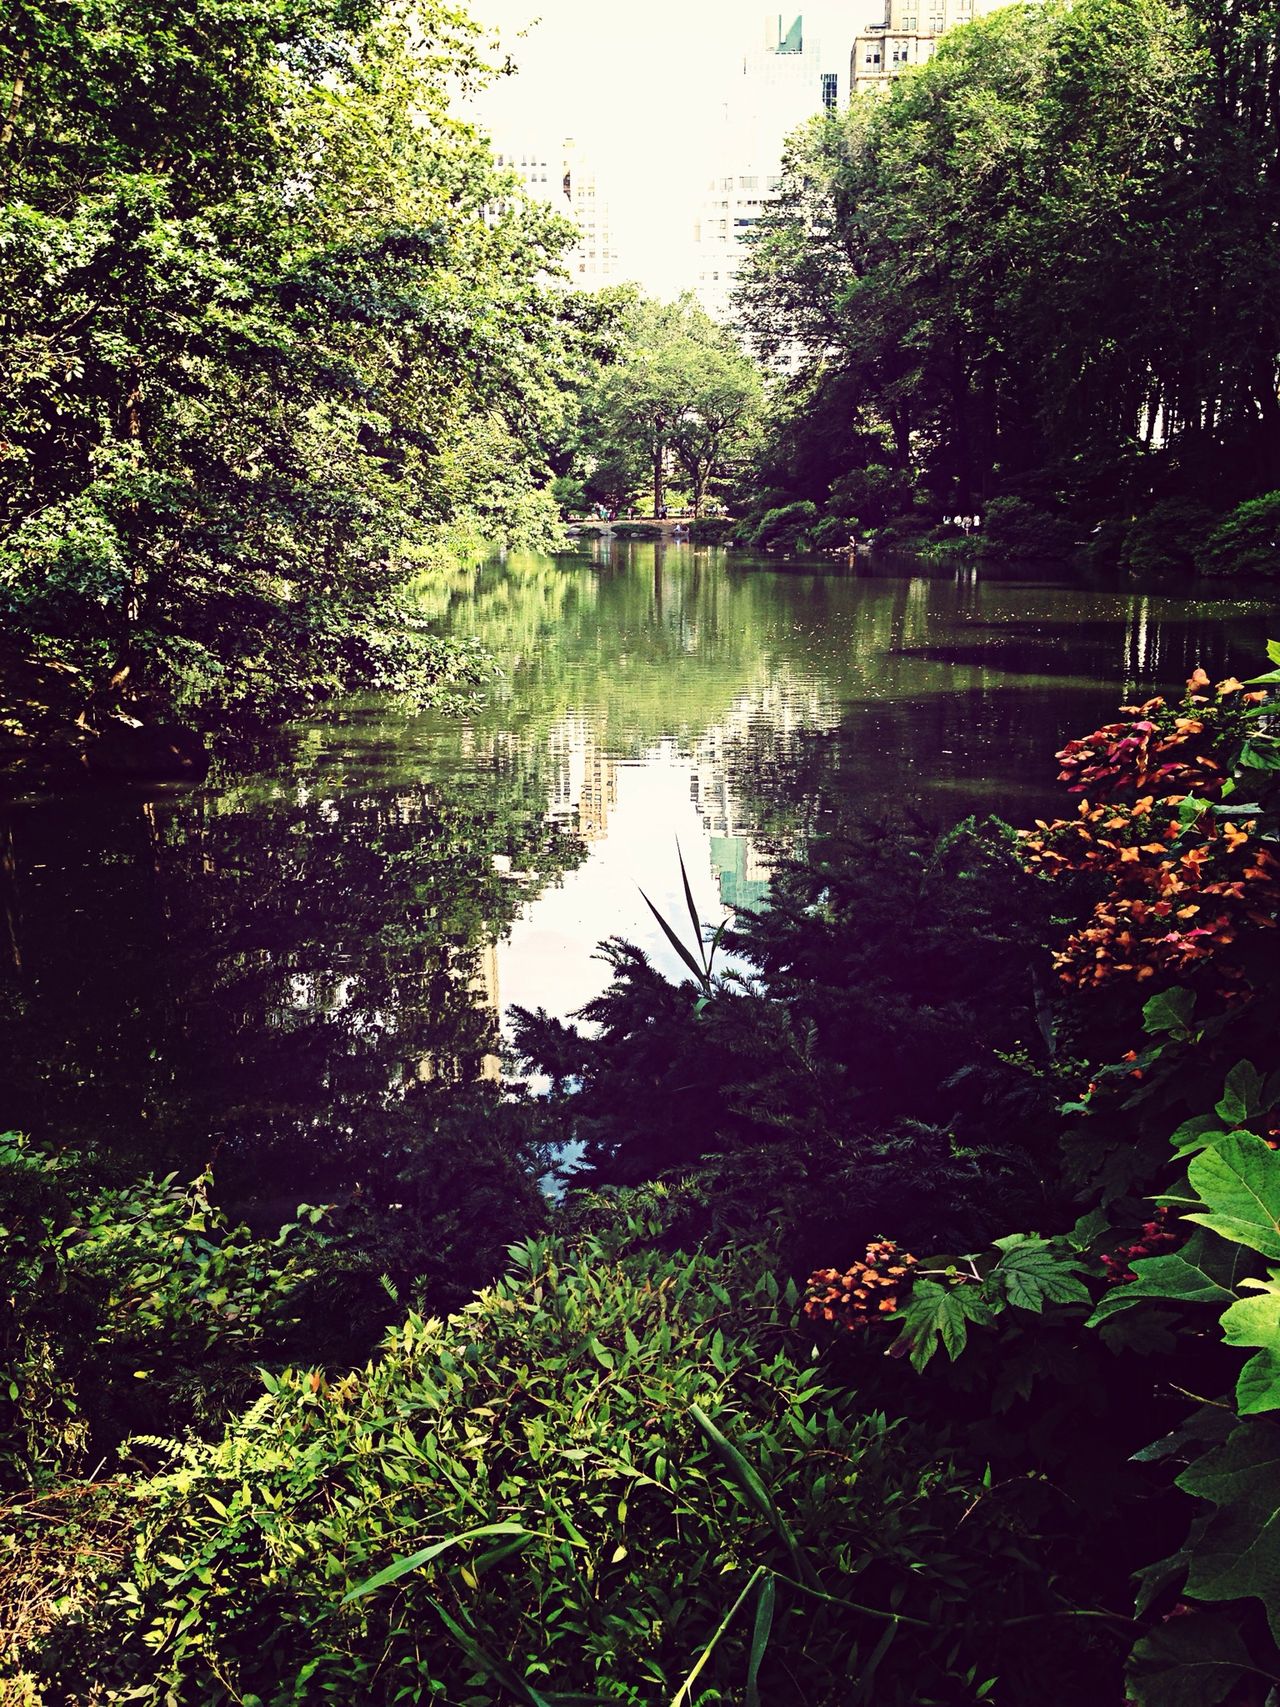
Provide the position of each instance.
(639, 88)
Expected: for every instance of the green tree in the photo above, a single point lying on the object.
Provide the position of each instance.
(259, 310)
(676, 390)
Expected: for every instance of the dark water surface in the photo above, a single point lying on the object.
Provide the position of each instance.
(280, 966)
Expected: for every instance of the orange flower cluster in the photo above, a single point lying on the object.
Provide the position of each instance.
(1178, 893)
(867, 1292)
(1170, 906)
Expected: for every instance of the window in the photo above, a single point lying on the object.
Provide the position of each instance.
(909, 24)
(726, 183)
(749, 183)
(830, 96)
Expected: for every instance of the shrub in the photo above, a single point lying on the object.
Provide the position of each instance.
(711, 530)
(1248, 541)
(616, 1470)
(786, 529)
(1170, 539)
(127, 1306)
(1014, 528)
(833, 533)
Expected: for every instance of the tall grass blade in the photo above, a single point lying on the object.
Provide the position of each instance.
(762, 1630)
(698, 971)
(401, 1567)
(693, 913)
(749, 1481)
(510, 1679)
(684, 1695)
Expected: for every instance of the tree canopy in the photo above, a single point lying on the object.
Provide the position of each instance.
(265, 298)
(674, 396)
(1044, 265)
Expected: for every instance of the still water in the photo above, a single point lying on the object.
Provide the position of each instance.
(279, 967)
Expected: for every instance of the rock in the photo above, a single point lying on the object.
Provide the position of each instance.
(166, 751)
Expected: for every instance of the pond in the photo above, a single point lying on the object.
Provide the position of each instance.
(279, 967)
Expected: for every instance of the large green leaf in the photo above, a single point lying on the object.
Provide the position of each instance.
(1256, 1322)
(1034, 1272)
(1202, 1272)
(1193, 1661)
(1241, 1095)
(941, 1313)
(1171, 1010)
(1239, 1181)
(1238, 1556)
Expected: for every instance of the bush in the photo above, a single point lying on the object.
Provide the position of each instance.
(127, 1306)
(1013, 528)
(711, 530)
(618, 1467)
(833, 533)
(786, 529)
(636, 530)
(1169, 540)
(1248, 541)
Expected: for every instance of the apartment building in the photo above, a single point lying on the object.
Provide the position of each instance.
(567, 181)
(908, 36)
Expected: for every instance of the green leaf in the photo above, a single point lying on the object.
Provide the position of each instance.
(760, 1634)
(1033, 1273)
(401, 1567)
(941, 1313)
(1171, 1010)
(1190, 1661)
(1263, 752)
(1197, 1134)
(1239, 1182)
(1256, 1322)
(749, 1481)
(1151, 1333)
(1202, 1272)
(1238, 1556)
(1242, 1094)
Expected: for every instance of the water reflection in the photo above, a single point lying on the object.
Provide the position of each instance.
(290, 965)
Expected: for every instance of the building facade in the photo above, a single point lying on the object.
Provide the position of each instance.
(786, 78)
(907, 36)
(567, 181)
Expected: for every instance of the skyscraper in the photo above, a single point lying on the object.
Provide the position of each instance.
(567, 181)
(776, 85)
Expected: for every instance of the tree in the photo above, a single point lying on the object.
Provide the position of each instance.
(258, 310)
(1044, 265)
(676, 388)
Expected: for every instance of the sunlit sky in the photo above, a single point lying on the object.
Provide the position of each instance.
(640, 89)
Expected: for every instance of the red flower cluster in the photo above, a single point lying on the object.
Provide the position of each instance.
(1158, 748)
(1178, 893)
(1155, 1238)
(867, 1292)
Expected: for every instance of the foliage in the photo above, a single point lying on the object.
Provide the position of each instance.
(875, 1069)
(1181, 943)
(614, 1474)
(1247, 542)
(1015, 280)
(129, 1304)
(258, 331)
(674, 392)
